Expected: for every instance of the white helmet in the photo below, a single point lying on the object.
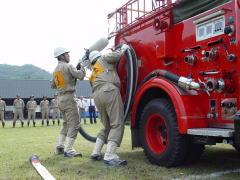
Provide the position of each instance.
(59, 51)
(93, 55)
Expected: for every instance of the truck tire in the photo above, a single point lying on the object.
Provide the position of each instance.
(160, 138)
(195, 152)
(237, 147)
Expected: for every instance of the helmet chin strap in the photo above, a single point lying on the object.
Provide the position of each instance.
(63, 59)
(94, 61)
(66, 61)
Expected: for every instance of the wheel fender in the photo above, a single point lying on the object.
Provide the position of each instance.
(175, 94)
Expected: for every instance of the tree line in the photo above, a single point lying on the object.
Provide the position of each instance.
(27, 72)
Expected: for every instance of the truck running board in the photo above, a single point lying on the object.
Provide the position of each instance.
(211, 132)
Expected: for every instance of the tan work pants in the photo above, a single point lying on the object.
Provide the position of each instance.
(31, 115)
(69, 109)
(2, 116)
(110, 106)
(45, 114)
(18, 113)
(55, 113)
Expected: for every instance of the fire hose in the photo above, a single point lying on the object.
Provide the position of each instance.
(132, 75)
(180, 80)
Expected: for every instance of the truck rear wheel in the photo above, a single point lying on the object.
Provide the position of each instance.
(195, 152)
(161, 141)
(237, 147)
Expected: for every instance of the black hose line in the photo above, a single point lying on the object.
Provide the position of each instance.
(172, 77)
(86, 135)
(131, 80)
(160, 72)
(135, 68)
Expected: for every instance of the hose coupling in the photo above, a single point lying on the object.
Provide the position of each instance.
(188, 83)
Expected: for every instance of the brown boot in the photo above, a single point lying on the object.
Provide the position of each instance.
(34, 123)
(22, 123)
(42, 122)
(14, 123)
(3, 124)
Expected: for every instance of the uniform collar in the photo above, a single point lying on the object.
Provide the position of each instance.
(62, 62)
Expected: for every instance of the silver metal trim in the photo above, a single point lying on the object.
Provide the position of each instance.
(194, 117)
(139, 63)
(221, 85)
(188, 83)
(211, 132)
(211, 72)
(209, 16)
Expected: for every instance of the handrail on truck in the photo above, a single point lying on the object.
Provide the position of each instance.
(135, 10)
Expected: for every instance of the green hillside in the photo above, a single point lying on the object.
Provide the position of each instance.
(26, 71)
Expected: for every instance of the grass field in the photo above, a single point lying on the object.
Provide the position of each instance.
(18, 144)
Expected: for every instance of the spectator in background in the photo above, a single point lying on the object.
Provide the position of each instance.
(18, 105)
(81, 107)
(31, 107)
(55, 109)
(44, 104)
(92, 110)
(2, 110)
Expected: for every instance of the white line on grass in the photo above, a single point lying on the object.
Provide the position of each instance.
(212, 175)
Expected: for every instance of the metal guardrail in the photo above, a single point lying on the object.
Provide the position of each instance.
(134, 11)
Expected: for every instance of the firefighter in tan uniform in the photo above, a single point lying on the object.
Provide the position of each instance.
(55, 110)
(106, 92)
(18, 105)
(44, 105)
(31, 107)
(2, 110)
(64, 80)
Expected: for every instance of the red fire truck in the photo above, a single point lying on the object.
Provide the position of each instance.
(180, 78)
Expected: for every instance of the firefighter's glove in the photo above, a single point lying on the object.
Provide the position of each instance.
(87, 52)
(117, 47)
(121, 46)
(79, 66)
(124, 47)
(85, 63)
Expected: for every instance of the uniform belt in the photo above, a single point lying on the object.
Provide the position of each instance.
(65, 92)
(100, 86)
